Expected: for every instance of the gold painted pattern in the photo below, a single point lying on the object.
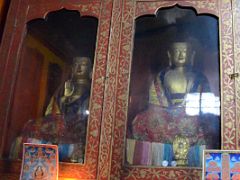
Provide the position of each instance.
(110, 94)
(236, 27)
(161, 173)
(209, 6)
(227, 84)
(123, 73)
(97, 95)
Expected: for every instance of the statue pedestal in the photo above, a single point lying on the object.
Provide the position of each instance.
(181, 162)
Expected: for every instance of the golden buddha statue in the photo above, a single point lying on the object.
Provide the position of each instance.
(179, 79)
(73, 104)
(166, 117)
(65, 120)
(74, 88)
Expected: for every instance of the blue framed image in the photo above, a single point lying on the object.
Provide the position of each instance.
(40, 161)
(221, 164)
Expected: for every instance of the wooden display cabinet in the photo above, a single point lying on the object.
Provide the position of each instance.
(24, 70)
(111, 81)
(115, 114)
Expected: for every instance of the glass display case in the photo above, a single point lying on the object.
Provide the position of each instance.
(53, 85)
(127, 89)
(53, 63)
(151, 107)
(174, 94)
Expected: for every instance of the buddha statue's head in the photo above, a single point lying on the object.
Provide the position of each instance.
(181, 54)
(81, 66)
(81, 73)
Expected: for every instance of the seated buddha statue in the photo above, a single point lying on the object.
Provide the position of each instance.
(166, 117)
(65, 119)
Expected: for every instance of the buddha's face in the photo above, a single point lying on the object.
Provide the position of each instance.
(179, 54)
(81, 67)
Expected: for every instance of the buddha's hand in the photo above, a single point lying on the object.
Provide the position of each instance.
(68, 88)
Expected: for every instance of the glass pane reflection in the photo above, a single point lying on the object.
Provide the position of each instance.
(174, 104)
(52, 92)
(205, 103)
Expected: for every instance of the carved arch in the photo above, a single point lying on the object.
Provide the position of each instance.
(41, 10)
(201, 7)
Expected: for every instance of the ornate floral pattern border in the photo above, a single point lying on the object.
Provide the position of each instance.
(228, 112)
(236, 27)
(110, 93)
(118, 110)
(103, 11)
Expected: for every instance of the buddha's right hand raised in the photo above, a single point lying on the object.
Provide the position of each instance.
(68, 88)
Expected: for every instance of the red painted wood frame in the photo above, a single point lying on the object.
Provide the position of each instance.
(114, 114)
(118, 71)
(21, 12)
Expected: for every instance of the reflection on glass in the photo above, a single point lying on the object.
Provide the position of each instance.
(176, 116)
(62, 47)
(204, 103)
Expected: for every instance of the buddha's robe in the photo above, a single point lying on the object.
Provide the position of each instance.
(163, 120)
(64, 124)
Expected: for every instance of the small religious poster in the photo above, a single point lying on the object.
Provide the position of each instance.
(221, 164)
(40, 162)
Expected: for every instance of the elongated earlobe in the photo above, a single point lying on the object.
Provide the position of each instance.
(90, 74)
(72, 71)
(192, 58)
(169, 58)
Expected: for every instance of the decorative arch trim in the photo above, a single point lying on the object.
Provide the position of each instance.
(201, 7)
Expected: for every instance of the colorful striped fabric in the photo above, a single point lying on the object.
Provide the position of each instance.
(154, 153)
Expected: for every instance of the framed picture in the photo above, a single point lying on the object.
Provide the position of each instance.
(40, 161)
(221, 164)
